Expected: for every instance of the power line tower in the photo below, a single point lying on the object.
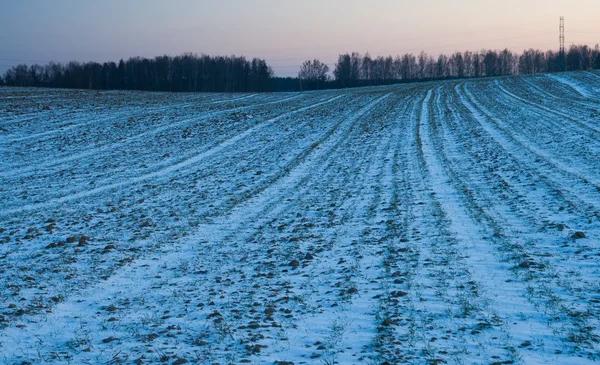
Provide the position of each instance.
(562, 35)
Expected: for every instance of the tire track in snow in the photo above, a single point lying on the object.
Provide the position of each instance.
(574, 85)
(45, 115)
(585, 127)
(507, 171)
(485, 219)
(347, 328)
(446, 285)
(422, 264)
(235, 99)
(54, 116)
(410, 327)
(166, 236)
(70, 126)
(417, 298)
(275, 204)
(97, 151)
(546, 94)
(511, 142)
(534, 208)
(572, 143)
(297, 173)
(165, 171)
(236, 227)
(559, 304)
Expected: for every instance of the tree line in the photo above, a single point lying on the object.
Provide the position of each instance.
(186, 73)
(354, 69)
(202, 73)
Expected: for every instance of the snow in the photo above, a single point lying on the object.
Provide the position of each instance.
(420, 223)
(578, 86)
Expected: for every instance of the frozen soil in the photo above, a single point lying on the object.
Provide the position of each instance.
(453, 222)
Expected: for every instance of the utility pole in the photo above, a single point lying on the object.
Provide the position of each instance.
(562, 59)
(562, 35)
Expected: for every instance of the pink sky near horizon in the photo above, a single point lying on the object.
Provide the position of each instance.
(284, 32)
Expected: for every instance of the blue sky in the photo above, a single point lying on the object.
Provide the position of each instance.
(285, 32)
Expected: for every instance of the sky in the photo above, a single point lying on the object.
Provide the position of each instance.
(284, 32)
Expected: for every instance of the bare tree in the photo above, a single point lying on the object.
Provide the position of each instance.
(314, 74)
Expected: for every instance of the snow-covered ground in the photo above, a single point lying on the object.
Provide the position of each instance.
(453, 222)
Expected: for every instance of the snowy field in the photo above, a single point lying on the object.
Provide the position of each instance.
(439, 223)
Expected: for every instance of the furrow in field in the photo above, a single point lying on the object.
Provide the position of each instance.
(341, 319)
(139, 153)
(68, 104)
(545, 85)
(454, 254)
(71, 123)
(529, 198)
(38, 119)
(305, 182)
(128, 220)
(185, 203)
(549, 112)
(164, 171)
(133, 114)
(575, 85)
(422, 285)
(143, 134)
(519, 148)
(571, 140)
(517, 241)
(73, 107)
(567, 178)
(234, 99)
(447, 222)
(271, 201)
(535, 86)
(556, 293)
